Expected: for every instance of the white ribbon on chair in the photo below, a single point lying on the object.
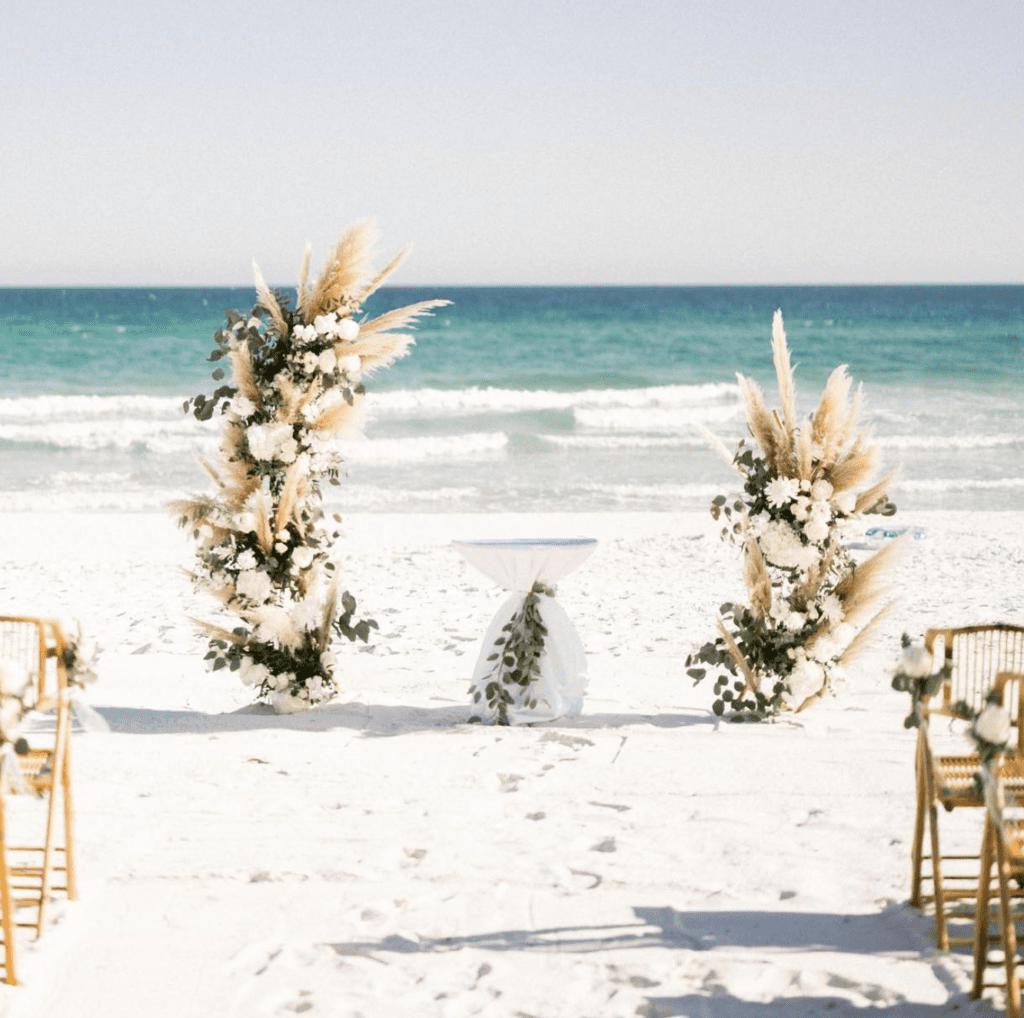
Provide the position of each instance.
(10, 771)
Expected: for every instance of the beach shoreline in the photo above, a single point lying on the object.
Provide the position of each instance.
(380, 857)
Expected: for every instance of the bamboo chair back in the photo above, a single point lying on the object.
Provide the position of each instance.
(41, 861)
(974, 655)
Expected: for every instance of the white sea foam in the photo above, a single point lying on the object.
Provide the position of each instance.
(613, 442)
(492, 400)
(653, 418)
(634, 492)
(426, 447)
(34, 408)
(940, 484)
(940, 442)
(159, 436)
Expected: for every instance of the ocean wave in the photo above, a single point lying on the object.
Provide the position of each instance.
(655, 418)
(940, 484)
(494, 400)
(614, 442)
(634, 492)
(50, 407)
(425, 447)
(158, 436)
(941, 442)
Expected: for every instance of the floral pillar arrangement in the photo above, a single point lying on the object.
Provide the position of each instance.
(811, 606)
(261, 548)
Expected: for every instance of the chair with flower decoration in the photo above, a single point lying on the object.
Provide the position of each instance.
(41, 861)
(973, 656)
(1002, 846)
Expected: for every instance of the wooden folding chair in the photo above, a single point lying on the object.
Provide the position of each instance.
(41, 861)
(1002, 846)
(974, 656)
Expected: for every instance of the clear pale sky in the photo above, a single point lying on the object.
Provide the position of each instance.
(532, 141)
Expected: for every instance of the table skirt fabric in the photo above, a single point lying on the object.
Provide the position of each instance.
(562, 682)
(517, 565)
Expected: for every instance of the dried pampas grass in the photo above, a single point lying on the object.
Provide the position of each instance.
(343, 275)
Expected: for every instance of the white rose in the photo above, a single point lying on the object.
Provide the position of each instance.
(816, 529)
(845, 502)
(262, 443)
(309, 361)
(303, 556)
(916, 662)
(326, 325)
(242, 406)
(801, 508)
(782, 547)
(288, 449)
(821, 490)
(794, 622)
(247, 560)
(993, 724)
(253, 584)
(351, 365)
(245, 523)
(347, 330)
(283, 681)
(307, 615)
(327, 361)
(806, 679)
(304, 333)
(251, 673)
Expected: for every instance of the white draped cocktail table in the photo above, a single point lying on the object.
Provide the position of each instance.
(553, 685)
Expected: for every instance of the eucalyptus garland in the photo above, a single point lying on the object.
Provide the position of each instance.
(516, 657)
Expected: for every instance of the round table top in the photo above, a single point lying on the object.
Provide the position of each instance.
(518, 562)
(529, 542)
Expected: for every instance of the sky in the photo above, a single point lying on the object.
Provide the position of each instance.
(521, 142)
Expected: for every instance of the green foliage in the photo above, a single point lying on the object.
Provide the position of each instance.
(516, 660)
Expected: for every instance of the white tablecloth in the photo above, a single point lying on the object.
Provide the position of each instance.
(518, 564)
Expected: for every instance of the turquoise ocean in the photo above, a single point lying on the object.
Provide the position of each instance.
(525, 398)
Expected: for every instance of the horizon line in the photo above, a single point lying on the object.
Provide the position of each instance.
(510, 286)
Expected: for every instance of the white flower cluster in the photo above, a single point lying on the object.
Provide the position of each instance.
(79, 654)
(273, 583)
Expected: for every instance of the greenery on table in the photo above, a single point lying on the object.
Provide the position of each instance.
(516, 660)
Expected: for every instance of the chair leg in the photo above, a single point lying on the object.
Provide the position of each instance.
(1008, 935)
(7, 920)
(917, 848)
(981, 915)
(69, 829)
(941, 934)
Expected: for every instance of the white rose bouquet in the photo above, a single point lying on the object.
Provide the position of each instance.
(261, 549)
(811, 607)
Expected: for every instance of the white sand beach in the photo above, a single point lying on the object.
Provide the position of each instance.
(378, 857)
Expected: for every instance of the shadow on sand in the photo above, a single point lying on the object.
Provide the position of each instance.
(380, 720)
(894, 931)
